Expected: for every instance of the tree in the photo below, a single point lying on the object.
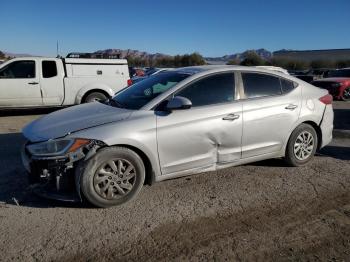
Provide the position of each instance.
(2, 55)
(234, 61)
(322, 64)
(252, 59)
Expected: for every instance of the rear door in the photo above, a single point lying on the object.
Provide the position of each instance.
(51, 80)
(271, 107)
(20, 85)
(208, 133)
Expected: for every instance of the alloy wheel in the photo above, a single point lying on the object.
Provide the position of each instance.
(304, 145)
(346, 94)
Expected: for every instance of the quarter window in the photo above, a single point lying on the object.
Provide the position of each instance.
(258, 85)
(19, 69)
(287, 85)
(214, 89)
(49, 69)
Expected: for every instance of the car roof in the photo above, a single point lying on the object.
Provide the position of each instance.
(219, 68)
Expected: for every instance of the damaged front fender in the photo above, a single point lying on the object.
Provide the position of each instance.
(58, 177)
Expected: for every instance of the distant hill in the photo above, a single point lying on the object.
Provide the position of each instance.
(123, 53)
(311, 55)
(304, 55)
(263, 53)
(15, 54)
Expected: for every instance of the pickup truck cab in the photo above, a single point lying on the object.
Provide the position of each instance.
(44, 82)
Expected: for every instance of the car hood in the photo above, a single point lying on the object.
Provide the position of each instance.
(60, 123)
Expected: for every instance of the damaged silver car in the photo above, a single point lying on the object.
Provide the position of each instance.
(175, 123)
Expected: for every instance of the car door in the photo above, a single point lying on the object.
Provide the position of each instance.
(51, 81)
(208, 133)
(19, 84)
(270, 109)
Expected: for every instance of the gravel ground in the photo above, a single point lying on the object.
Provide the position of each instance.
(262, 211)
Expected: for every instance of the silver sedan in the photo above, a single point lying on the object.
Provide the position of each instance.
(175, 123)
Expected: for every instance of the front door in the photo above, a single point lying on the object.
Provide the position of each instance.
(205, 135)
(20, 85)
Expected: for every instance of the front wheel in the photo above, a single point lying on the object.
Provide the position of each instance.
(95, 96)
(112, 177)
(346, 94)
(301, 146)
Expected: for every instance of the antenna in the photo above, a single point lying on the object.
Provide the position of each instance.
(57, 49)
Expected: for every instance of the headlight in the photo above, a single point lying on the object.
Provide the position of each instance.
(56, 147)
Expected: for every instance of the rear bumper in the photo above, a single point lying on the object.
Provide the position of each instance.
(327, 125)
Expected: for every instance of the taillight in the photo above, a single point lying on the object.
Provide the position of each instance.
(129, 82)
(327, 99)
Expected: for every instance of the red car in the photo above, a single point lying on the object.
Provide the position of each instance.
(337, 83)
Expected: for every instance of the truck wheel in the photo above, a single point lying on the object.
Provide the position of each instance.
(301, 146)
(346, 94)
(95, 96)
(112, 177)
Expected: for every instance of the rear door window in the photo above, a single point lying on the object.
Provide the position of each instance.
(260, 85)
(49, 69)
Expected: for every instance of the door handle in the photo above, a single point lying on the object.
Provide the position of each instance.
(231, 117)
(33, 83)
(291, 107)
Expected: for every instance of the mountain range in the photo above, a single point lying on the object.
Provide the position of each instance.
(308, 55)
(124, 53)
(263, 53)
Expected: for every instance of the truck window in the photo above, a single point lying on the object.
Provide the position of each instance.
(49, 69)
(19, 69)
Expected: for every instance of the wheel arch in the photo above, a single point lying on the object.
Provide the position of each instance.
(93, 87)
(82, 100)
(314, 126)
(318, 132)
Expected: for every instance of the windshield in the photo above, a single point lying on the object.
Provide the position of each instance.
(339, 73)
(141, 93)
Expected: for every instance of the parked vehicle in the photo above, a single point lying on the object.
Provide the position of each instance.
(148, 73)
(42, 82)
(337, 84)
(175, 123)
(274, 68)
(311, 75)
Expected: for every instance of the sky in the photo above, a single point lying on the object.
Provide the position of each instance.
(212, 28)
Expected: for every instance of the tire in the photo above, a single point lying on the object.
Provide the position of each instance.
(346, 94)
(102, 184)
(299, 151)
(95, 96)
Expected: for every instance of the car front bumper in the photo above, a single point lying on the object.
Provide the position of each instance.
(52, 177)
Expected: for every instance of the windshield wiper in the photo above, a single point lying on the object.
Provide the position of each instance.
(115, 103)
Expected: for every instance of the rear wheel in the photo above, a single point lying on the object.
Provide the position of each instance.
(95, 96)
(346, 94)
(112, 177)
(301, 146)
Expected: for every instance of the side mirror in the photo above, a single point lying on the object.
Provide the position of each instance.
(179, 103)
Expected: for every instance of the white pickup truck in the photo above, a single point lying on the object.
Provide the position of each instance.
(44, 82)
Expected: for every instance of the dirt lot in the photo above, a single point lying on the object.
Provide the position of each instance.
(262, 211)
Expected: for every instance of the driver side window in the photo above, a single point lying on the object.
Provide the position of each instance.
(19, 69)
(214, 89)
